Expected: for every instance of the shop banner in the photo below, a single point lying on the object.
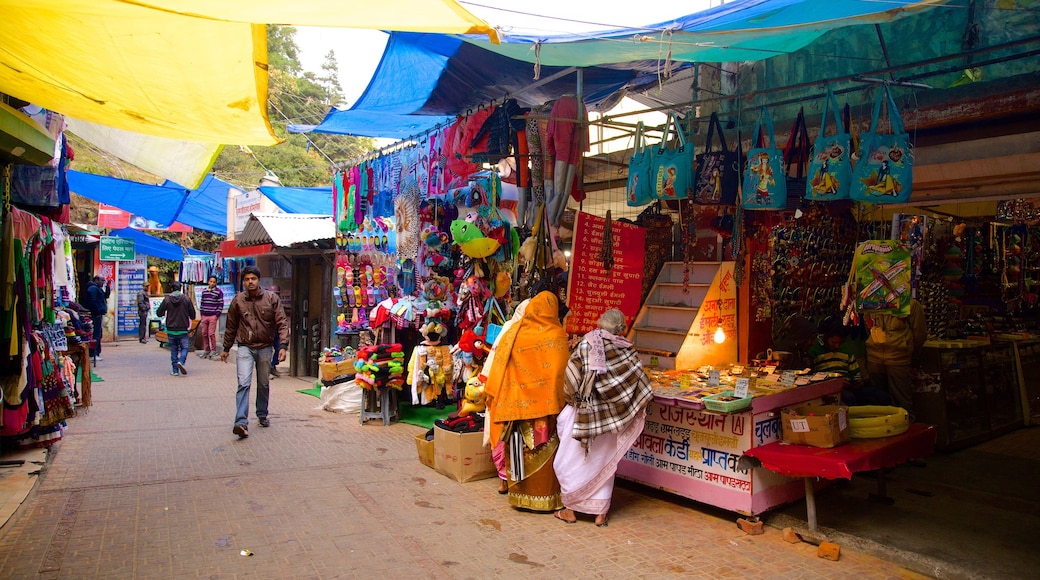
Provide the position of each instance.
(131, 278)
(113, 218)
(591, 289)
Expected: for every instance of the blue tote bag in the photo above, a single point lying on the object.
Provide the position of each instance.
(830, 163)
(765, 182)
(884, 172)
(672, 167)
(639, 189)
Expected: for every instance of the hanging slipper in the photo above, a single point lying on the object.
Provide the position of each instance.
(339, 296)
(370, 296)
(348, 279)
(358, 298)
(350, 296)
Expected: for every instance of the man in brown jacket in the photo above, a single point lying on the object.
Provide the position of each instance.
(254, 318)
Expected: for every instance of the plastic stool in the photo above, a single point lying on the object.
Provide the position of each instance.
(384, 399)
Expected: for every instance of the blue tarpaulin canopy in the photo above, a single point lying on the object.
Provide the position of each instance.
(147, 245)
(204, 208)
(425, 79)
(300, 200)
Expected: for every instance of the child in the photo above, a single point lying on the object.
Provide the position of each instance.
(832, 353)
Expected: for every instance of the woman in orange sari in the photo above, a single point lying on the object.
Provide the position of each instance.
(524, 386)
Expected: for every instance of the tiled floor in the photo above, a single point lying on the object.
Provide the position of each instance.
(151, 483)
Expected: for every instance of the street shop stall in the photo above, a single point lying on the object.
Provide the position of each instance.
(692, 446)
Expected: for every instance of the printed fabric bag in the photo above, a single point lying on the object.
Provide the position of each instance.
(672, 168)
(717, 170)
(830, 164)
(796, 160)
(884, 172)
(765, 184)
(638, 187)
(488, 329)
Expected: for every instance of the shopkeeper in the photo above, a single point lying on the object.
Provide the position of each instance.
(893, 351)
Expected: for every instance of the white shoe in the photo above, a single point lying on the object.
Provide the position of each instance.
(98, 357)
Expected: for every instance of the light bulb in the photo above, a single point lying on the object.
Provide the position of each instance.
(720, 335)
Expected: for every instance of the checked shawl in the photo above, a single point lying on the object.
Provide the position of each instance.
(606, 401)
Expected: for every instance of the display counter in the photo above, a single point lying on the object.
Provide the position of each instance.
(696, 453)
(970, 390)
(1027, 358)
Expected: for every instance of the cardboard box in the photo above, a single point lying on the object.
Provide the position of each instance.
(816, 425)
(425, 449)
(462, 456)
(333, 370)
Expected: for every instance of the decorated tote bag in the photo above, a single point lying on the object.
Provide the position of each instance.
(640, 191)
(796, 159)
(765, 183)
(717, 170)
(673, 165)
(830, 165)
(884, 172)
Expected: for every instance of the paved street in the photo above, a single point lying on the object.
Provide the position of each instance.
(151, 483)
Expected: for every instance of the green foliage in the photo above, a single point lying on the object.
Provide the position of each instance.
(301, 160)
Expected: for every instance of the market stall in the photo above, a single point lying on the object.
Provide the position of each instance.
(695, 452)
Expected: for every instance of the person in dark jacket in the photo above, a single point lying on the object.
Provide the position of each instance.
(98, 292)
(179, 312)
(254, 318)
(144, 306)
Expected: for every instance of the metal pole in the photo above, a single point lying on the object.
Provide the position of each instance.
(810, 504)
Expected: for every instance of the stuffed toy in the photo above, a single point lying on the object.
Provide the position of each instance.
(472, 240)
(430, 368)
(436, 292)
(475, 400)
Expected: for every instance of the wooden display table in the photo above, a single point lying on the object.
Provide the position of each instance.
(696, 453)
(842, 461)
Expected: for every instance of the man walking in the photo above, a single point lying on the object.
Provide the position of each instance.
(98, 292)
(254, 318)
(179, 312)
(210, 307)
(144, 306)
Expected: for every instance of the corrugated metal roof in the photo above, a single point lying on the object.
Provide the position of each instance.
(286, 229)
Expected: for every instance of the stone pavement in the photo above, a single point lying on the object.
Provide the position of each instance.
(151, 483)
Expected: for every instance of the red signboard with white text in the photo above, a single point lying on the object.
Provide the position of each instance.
(592, 289)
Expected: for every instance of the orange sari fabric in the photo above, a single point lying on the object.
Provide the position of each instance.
(527, 373)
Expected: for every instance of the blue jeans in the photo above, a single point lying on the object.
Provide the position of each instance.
(178, 349)
(246, 361)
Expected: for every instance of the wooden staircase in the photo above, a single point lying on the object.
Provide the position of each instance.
(674, 328)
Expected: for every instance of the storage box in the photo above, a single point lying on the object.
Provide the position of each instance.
(425, 449)
(816, 425)
(462, 456)
(333, 370)
(715, 402)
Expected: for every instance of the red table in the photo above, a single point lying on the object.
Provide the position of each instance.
(844, 460)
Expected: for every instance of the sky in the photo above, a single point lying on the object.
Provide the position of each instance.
(358, 51)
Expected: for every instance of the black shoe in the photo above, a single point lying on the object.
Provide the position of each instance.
(264, 422)
(275, 372)
(241, 431)
(181, 369)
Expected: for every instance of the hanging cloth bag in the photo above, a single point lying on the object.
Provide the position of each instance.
(717, 170)
(884, 172)
(830, 163)
(673, 165)
(765, 186)
(640, 191)
(796, 160)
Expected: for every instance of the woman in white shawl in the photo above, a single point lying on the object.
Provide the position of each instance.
(607, 392)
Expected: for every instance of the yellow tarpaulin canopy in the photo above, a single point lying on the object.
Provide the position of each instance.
(443, 16)
(193, 70)
(138, 69)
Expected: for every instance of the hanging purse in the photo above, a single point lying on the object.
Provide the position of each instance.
(765, 186)
(638, 187)
(717, 170)
(672, 168)
(830, 164)
(796, 160)
(884, 171)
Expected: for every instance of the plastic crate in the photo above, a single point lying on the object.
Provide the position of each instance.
(712, 403)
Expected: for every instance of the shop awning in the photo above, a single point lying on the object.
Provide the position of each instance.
(204, 208)
(297, 200)
(743, 30)
(425, 79)
(284, 230)
(230, 249)
(147, 245)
